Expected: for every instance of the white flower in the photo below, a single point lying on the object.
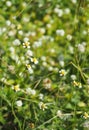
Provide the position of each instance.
(86, 115)
(11, 33)
(30, 91)
(69, 37)
(43, 58)
(81, 48)
(26, 44)
(12, 49)
(33, 92)
(86, 124)
(87, 22)
(8, 3)
(29, 53)
(37, 44)
(4, 29)
(16, 87)
(61, 62)
(41, 96)
(67, 11)
(56, 10)
(71, 49)
(73, 77)
(42, 30)
(19, 103)
(60, 12)
(42, 106)
(20, 32)
(34, 60)
(29, 68)
(60, 32)
(74, 1)
(47, 83)
(8, 22)
(26, 39)
(25, 19)
(59, 113)
(62, 72)
(50, 68)
(84, 32)
(44, 64)
(16, 42)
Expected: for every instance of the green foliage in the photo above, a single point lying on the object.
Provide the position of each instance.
(44, 65)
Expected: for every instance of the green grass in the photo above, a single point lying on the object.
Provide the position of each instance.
(44, 65)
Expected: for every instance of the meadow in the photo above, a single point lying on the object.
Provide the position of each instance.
(44, 64)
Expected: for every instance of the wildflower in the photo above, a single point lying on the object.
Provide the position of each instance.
(69, 37)
(75, 83)
(73, 77)
(62, 72)
(34, 60)
(8, 3)
(78, 84)
(50, 68)
(19, 103)
(29, 68)
(26, 39)
(87, 22)
(86, 124)
(41, 96)
(59, 113)
(30, 91)
(26, 44)
(86, 115)
(74, 1)
(29, 53)
(16, 42)
(16, 88)
(60, 12)
(60, 32)
(71, 49)
(61, 62)
(47, 83)
(42, 106)
(67, 11)
(8, 23)
(20, 32)
(81, 48)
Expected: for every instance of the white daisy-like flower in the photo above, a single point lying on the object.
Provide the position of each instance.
(26, 44)
(29, 68)
(42, 106)
(62, 72)
(34, 60)
(16, 88)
